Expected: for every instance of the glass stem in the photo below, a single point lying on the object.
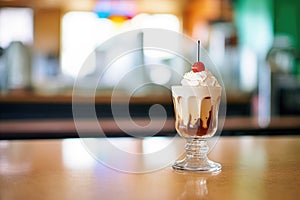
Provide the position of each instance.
(196, 149)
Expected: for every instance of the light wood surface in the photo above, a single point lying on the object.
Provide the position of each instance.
(253, 168)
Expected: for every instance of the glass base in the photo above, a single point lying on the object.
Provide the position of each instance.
(197, 165)
(196, 157)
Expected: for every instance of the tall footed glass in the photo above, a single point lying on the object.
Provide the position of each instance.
(196, 119)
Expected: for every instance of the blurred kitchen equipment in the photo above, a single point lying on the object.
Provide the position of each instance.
(18, 65)
(285, 88)
(3, 72)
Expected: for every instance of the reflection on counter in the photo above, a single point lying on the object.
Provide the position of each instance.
(14, 159)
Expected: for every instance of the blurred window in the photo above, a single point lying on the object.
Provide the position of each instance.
(82, 32)
(16, 24)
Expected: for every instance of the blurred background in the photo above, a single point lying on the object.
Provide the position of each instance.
(255, 45)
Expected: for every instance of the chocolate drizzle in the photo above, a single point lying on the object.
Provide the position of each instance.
(203, 126)
(204, 123)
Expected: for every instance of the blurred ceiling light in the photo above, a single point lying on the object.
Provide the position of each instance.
(82, 32)
(248, 70)
(111, 8)
(160, 74)
(78, 40)
(163, 21)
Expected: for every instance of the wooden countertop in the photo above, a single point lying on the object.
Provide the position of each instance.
(258, 168)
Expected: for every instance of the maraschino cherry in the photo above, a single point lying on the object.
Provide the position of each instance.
(198, 67)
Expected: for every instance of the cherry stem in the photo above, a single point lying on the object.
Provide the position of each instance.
(198, 51)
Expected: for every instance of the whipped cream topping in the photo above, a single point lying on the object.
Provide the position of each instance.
(203, 78)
